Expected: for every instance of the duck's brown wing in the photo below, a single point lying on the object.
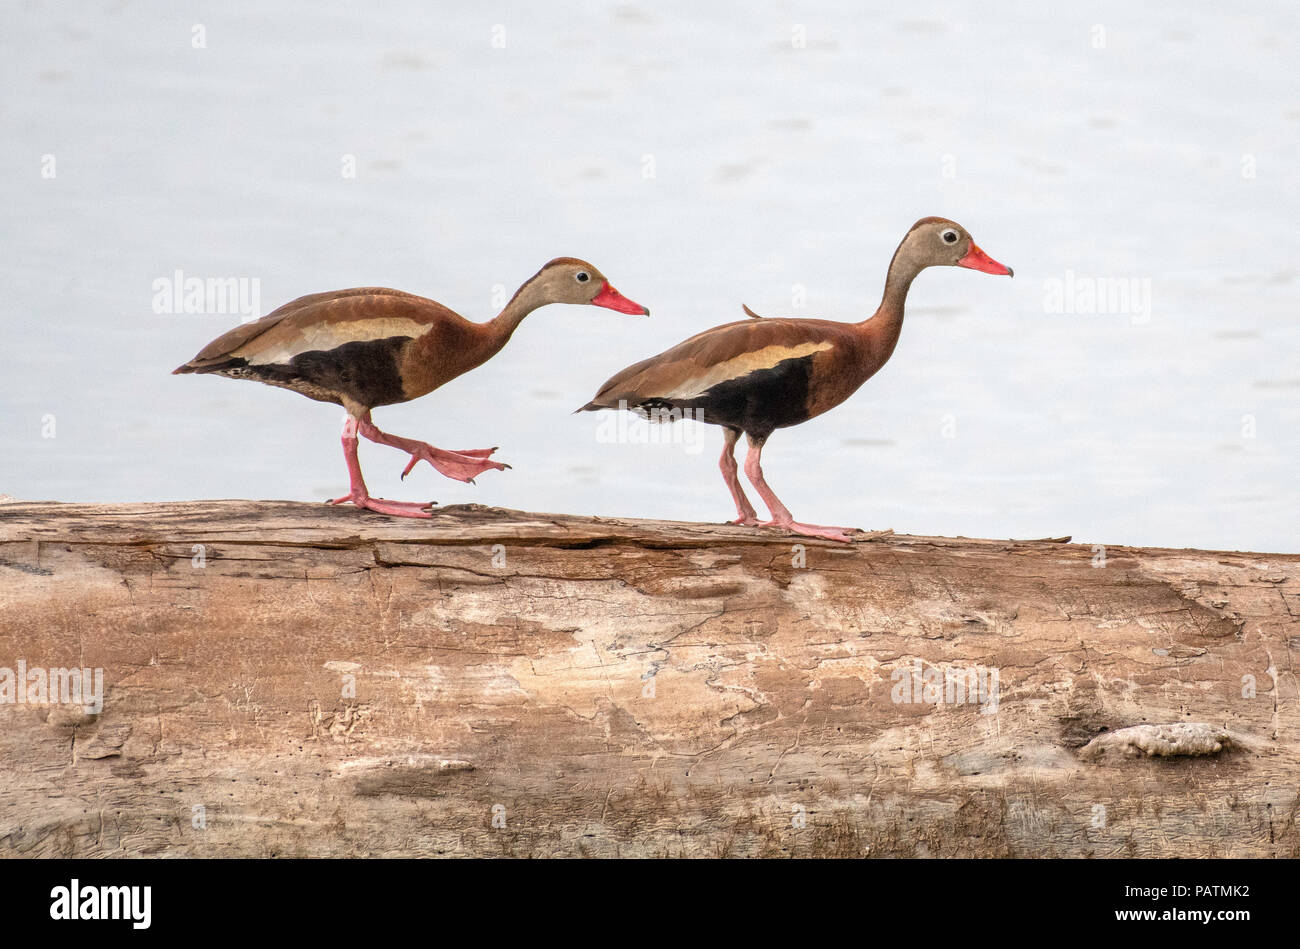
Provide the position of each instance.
(724, 354)
(321, 322)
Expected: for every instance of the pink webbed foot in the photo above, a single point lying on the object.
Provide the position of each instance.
(476, 452)
(841, 534)
(394, 508)
(459, 465)
(750, 521)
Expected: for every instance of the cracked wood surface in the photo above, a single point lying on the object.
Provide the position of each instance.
(622, 687)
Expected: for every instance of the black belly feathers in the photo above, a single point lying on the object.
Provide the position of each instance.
(756, 403)
(366, 372)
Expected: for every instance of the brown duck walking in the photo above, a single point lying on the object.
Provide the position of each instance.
(758, 375)
(372, 346)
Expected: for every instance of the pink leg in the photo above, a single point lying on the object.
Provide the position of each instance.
(781, 516)
(358, 494)
(746, 514)
(460, 465)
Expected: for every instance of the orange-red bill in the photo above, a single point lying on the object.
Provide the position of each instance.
(976, 259)
(611, 298)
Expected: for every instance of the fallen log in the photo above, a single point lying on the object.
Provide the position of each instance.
(287, 679)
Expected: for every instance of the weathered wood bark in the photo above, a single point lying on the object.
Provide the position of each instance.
(633, 687)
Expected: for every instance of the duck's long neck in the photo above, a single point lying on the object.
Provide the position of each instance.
(884, 326)
(497, 331)
(454, 345)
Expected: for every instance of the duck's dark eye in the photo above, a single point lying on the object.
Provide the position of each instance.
(583, 276)
(949, 236)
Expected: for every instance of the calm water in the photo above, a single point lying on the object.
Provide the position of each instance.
(773, 156)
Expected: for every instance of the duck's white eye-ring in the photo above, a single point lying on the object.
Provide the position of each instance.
(582, 276)
(948, 235)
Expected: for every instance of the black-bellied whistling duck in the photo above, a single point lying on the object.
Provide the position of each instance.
(371, 346)
(758, 375)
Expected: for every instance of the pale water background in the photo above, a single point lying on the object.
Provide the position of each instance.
(1163, 148)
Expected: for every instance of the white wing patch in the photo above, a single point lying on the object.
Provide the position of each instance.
(765, 358)
(325, 336)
